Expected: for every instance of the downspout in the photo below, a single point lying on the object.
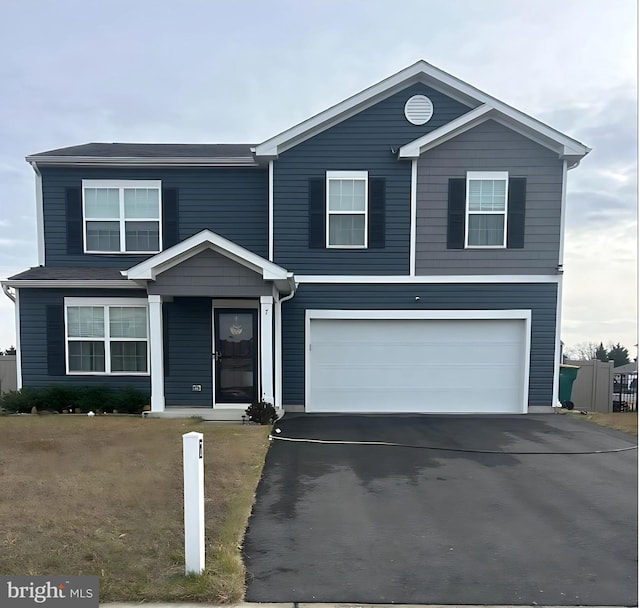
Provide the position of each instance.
(566, 167)
(8, 293)
(15, 298)
(555, 397)
(278, 342)
(271, 245)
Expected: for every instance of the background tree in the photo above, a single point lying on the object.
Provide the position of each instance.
(602, 354)
(10, 351)
(619, 355)
(585, 351)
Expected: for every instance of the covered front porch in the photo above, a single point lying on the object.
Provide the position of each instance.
(215, 335)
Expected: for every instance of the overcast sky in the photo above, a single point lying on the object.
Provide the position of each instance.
(225, 72)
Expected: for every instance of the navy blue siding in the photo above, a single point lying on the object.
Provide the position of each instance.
(230, 201)
(33, 338)
(540, 298)
(188, 349)
(369, 142)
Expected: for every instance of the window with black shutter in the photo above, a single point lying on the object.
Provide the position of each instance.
(486, 210)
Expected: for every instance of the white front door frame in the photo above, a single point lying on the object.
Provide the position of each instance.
(250, 305)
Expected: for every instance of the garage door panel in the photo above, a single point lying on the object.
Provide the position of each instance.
(463, 401)
(415, 375)
(416, 365)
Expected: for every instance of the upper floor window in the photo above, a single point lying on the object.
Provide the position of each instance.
(106, 336)
(347, 209)
(121, 216)
(486, 208)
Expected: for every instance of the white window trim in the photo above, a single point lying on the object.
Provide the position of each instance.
(105, 303)
(121, 184)
(355, 175)
(486, 175)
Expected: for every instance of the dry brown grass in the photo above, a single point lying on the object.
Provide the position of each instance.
(103, 496)
(622, 421)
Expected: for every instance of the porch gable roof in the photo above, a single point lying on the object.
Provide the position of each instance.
(206, 239)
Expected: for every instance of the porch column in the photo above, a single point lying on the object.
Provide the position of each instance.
(266, 348)
(157, 353)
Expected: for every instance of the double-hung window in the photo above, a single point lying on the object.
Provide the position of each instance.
(347, 209)
(486, 209)
(106, 336)
(122, 216)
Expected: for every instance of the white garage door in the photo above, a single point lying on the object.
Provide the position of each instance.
(416, 365)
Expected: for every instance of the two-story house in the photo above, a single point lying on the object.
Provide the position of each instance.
(401, 251)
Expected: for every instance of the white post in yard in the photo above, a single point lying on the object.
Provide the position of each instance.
(193, 462)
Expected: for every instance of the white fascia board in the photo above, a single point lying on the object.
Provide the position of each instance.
(71, 284)
(430, 279)
(196, 244)
(418, 72)
(516, 121)
(564, 149)
(134, 161)
(452, 129)
(570, 145)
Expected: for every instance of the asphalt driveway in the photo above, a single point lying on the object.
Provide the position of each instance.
(374, 524)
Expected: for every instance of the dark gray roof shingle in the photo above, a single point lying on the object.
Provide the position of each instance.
(55, 273)
(132, 150)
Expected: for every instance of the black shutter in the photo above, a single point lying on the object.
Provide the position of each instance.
(455, 220)
(515, 212)
(55, 340)
(377, 195)
(166, 315)
(169, 217)
(74, 220)
(316, 213)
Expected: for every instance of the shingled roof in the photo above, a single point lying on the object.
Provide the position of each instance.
(151, 150)
(148, 154)
(60, 273)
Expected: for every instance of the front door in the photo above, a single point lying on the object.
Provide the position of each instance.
(236, 350)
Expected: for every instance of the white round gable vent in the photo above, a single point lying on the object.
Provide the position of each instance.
(418, 109)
